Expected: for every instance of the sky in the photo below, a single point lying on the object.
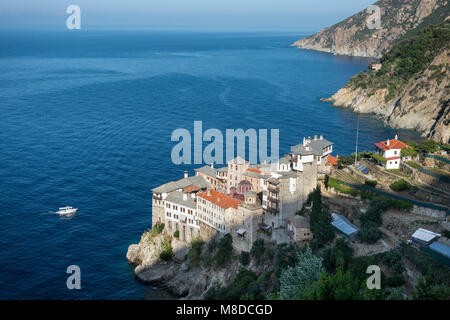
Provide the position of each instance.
(295, 15)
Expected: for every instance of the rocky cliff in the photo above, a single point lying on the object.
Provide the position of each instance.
(399, 18)
(176, 276)
(412, 90)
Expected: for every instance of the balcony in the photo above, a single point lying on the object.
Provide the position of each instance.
(273, 189)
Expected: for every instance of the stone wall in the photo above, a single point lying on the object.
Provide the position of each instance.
(428, 212)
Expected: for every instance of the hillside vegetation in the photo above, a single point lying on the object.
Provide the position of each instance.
(399, 19)
(406, 61)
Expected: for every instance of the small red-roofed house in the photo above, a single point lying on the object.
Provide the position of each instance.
(332, 161)
(391, 150)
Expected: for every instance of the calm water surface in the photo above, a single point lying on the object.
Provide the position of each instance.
(86, 119)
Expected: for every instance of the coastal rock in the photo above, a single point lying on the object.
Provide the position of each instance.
(422, 105)
(177, 278)
(352, 36)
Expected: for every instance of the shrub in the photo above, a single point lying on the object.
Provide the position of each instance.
(242, 286)
(372, 218)
(167, 253)
(244, 258)
(176, 234)
(408, 152)
(194, 254)
(223, 255)
(157, 229)
(446, 233)
(341, 187)
(427, 146)
(395, 281)
(369, 235)
(257, 250)
(400, 205)
(371, 183)
(378, 158)
(393, 260)
(413, 164)
(400, 185)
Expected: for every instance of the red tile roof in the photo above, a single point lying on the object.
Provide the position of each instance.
(220, 199)
(393, 144)
(393, 158)
(332, 161)
(254, 170)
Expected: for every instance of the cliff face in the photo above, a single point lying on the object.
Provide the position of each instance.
(176, 277)
(423, 105)
(398, 17)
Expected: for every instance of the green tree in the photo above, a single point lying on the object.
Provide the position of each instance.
(339, 286)
(427, 146)
(320, 220)
(294, 279)
(257, 250)
(244, 258)
(408, 152)
(225, 250)
(429, 288)
(194, 254)
(369, 235)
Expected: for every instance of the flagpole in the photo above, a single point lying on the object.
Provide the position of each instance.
(357, 136)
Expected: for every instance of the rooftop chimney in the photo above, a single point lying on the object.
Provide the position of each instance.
(184, 196)
(321, 136)
(396, 137)
(309, 139)
(186, 174)
(315, 137)
(212, 165)
(387, 142)
(208, 193)
(304, 141)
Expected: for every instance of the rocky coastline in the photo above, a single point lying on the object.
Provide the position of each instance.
(421, 106)
(176, 277)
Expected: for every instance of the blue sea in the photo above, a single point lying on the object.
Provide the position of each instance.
(86, 119)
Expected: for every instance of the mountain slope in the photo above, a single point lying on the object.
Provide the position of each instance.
(412, 89)
(399, 18)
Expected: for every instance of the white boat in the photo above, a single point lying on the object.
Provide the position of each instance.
(67, 210)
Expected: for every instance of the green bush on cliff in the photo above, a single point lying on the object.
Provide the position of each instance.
(369, 235)
(400, 185)
(244, 258)
(244, 286)
(167, 253)
(176, 234)
(157, 229)
(371, 183)
(195, 253)
(257, 250)
(225, 250)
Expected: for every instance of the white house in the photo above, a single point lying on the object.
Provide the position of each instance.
(310, 150)
(391, 150)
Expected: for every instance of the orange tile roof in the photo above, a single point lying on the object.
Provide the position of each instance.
(220, 199)
(191, 188)
(254, 170)
(393, 144)
(333, 161)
